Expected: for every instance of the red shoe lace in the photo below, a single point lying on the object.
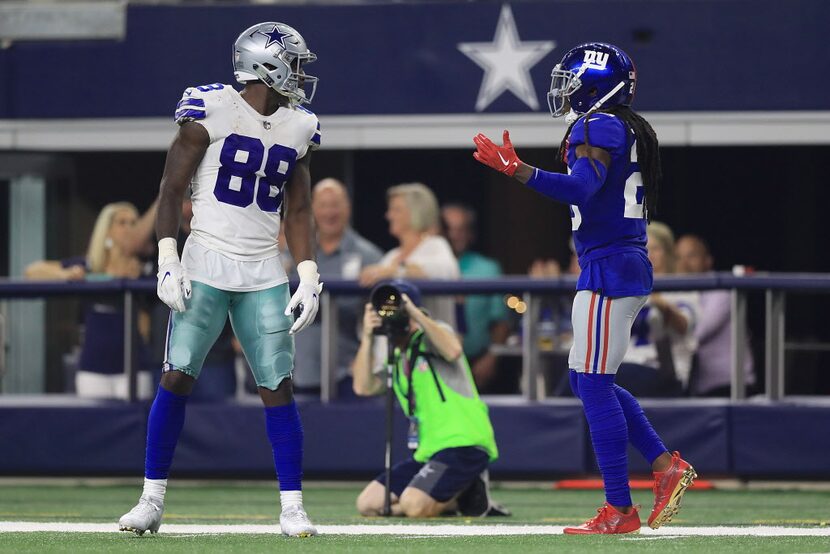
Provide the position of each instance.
(599, 517)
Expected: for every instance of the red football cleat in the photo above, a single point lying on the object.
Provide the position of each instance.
(669, 487)
(608, 521)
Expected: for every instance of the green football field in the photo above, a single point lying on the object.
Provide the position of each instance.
(228, 517)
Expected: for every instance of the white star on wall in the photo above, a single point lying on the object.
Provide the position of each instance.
(506, 62)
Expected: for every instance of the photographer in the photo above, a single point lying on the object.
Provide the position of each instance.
(449, 429)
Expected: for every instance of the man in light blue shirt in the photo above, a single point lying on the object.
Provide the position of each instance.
(485, 315)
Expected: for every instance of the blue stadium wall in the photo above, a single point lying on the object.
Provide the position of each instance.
(698, 56)
(346, 439)
(404, 58)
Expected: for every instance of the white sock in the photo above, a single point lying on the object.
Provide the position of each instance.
(155, 488)
(291, 498)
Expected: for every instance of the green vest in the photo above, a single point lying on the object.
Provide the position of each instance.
(450, 414)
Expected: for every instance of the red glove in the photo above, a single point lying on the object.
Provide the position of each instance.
(500, 158)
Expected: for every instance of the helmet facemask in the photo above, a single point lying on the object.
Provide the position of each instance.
(289, 79)
(563, 83)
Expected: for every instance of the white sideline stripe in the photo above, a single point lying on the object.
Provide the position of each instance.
(409, 530)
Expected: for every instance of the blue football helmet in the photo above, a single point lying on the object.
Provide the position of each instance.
(591, 76)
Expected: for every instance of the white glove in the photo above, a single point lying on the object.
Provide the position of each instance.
(307, 296)
(173, 286)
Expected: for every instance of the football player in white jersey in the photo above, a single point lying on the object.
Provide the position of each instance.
(246, 156)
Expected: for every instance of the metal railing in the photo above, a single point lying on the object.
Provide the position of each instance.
(774, 285)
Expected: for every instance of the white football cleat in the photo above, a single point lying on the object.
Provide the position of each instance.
(294, 522)
(145, 516)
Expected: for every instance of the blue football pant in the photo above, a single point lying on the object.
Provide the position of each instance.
(259, 322)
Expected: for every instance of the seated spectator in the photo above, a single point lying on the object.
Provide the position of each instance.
(119, 236)
(485, 316)
(659, 359)
(412, 213)
(559, 308)
(341, 254)
(713, 372)
(555, 314)
(542, 268)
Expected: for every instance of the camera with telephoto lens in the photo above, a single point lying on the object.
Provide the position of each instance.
(387, 300)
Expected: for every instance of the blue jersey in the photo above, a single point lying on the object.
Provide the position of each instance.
(609, 229)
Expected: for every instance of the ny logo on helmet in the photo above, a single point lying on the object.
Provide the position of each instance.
(595, 60)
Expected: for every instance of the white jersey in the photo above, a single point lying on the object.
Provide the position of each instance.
(650, 327)
(434, 257)
(238, 188)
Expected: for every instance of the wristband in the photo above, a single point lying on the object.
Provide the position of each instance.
(307, 270)
(168, 248)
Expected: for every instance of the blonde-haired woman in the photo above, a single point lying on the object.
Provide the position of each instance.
(119, 236)
(413, 216)
(661, 247)
(662, 337)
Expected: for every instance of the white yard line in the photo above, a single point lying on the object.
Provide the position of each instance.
(415, 529)
(652, 538)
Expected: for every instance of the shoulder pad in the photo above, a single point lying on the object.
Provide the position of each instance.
(604, 131)
(192, 105)
(314, 131)
(304, 109)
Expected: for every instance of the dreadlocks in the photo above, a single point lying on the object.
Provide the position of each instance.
(648, 152)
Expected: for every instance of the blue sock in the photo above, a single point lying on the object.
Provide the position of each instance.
(164, 425)
(609, 434)
(640, 431)
(286, 435)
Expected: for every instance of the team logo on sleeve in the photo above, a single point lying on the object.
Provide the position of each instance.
(595, 60)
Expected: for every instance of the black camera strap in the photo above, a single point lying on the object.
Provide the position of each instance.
(414, 350)
(414, 353)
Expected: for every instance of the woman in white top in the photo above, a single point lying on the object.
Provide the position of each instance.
(662, 337)
(412, 212)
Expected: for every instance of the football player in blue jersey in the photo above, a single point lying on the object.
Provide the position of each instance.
(243, 154)
(613, 173)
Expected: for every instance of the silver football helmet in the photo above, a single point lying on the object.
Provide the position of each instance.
(275, 54)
